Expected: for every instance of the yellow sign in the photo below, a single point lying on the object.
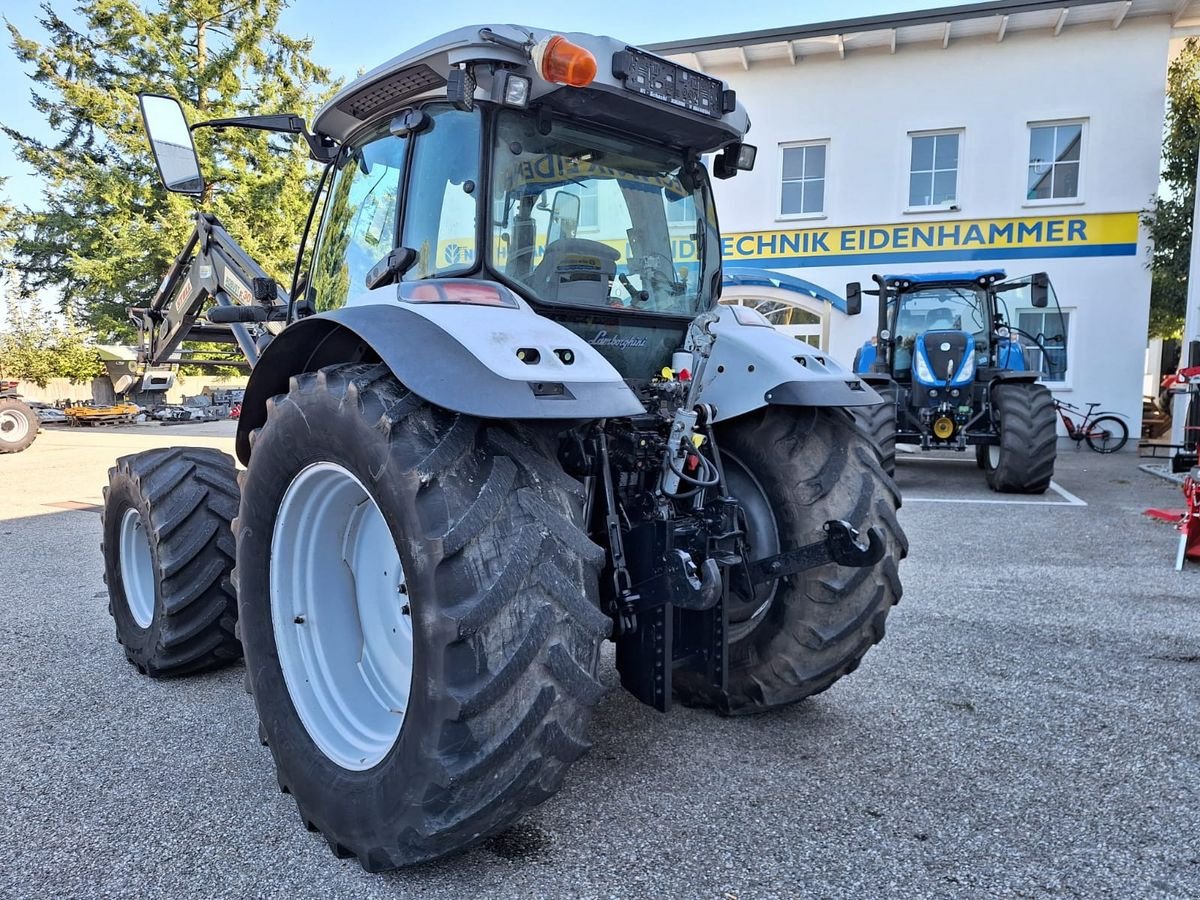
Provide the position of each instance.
(1091, 234)
(1096, 234)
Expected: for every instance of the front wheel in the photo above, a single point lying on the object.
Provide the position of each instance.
(1022, 462)
(791, 471)
(1107, 434)
(168, 559)
(418, 607)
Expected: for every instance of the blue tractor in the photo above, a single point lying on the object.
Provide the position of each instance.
(957, 370)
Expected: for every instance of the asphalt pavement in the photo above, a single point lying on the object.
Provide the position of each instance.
(1028, 728)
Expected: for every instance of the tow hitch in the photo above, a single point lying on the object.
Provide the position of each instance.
(840, 546)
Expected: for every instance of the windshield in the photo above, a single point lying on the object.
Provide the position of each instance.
(936, 309)
(585, 218)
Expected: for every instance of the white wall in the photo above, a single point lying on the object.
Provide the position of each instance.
(866, 105)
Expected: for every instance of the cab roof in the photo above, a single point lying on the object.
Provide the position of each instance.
(422, 72)
(946, 277)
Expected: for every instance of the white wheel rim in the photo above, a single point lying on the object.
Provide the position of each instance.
(13, 426)
(339, 609)
(993, 451)
(137, 568)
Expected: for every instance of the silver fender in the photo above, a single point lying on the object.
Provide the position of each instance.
(457, 356)
(753, 365)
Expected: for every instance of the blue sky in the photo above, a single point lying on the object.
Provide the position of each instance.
(363, 33)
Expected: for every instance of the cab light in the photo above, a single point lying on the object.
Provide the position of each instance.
(472, 293)
(560, 61)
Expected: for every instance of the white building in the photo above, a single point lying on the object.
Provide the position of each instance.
(1018, 135)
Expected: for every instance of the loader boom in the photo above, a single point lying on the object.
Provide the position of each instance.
(247, 304)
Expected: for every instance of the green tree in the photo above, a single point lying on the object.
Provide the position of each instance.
(34, 347)
(107, 230)
(1170, 222)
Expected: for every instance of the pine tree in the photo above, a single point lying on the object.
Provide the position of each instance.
(1170, 222)
(107, 229)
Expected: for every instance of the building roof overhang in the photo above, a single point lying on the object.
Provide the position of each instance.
(996, 19)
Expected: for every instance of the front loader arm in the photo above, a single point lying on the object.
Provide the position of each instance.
(210, 268)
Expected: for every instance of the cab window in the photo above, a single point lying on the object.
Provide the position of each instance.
(440, 213)
(359, 224)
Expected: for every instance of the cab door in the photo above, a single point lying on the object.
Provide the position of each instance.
(1038, 329)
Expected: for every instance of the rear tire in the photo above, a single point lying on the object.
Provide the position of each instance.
(499, 590)
(1023, 461)
(1107, 434)
(810, 629)
(18, 425)
(168, 556)
(879, 422)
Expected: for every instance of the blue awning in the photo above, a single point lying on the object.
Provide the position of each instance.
(738, 276)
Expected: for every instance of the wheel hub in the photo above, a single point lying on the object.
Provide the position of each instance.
(137, 568)
(341, 616)
(13, 426)
(748, 604)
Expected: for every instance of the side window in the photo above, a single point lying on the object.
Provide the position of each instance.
(933, 170)
(1055, 154)
(802, 187)
(359, 225)
(440, 215)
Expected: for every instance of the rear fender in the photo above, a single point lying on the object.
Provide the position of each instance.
(457, 356)
(752, 365)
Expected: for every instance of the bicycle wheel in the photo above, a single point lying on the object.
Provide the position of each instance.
(1107, 434)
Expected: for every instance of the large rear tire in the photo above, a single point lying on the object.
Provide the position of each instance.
(464, 697)
(168, 557)
(879, 422)
(1023, 461)
(18, 425)
(793, 470)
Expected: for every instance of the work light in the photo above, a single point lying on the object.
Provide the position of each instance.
(511, 89)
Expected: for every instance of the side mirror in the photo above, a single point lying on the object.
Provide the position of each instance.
(171, 143)
(564, 217)
(1039, 290)
(853, 298)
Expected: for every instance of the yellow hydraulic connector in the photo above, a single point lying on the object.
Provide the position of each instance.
(943, 427)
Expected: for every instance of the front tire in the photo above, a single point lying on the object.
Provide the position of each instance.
(793, 470)
(479, 713)
(168, 558)
(18, 425)
(1023, 461)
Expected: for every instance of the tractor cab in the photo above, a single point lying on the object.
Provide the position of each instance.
(946, 341)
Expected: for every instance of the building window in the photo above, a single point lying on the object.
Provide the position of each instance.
(589, 205)
(933, 172)
(803, 190)
(1048, 355)
(681, 211)
(1054, 160)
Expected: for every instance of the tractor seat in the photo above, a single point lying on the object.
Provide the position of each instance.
(575, 270)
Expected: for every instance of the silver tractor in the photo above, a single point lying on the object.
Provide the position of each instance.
(498, 418)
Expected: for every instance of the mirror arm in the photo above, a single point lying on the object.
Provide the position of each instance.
(322, 148)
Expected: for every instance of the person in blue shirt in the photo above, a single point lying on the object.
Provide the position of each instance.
(865, 357)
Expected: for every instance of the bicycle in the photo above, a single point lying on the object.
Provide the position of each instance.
(1106, 433)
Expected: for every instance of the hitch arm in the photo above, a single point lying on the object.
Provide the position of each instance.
(840, 546)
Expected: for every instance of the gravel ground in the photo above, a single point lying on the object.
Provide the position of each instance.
(1028, 728)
